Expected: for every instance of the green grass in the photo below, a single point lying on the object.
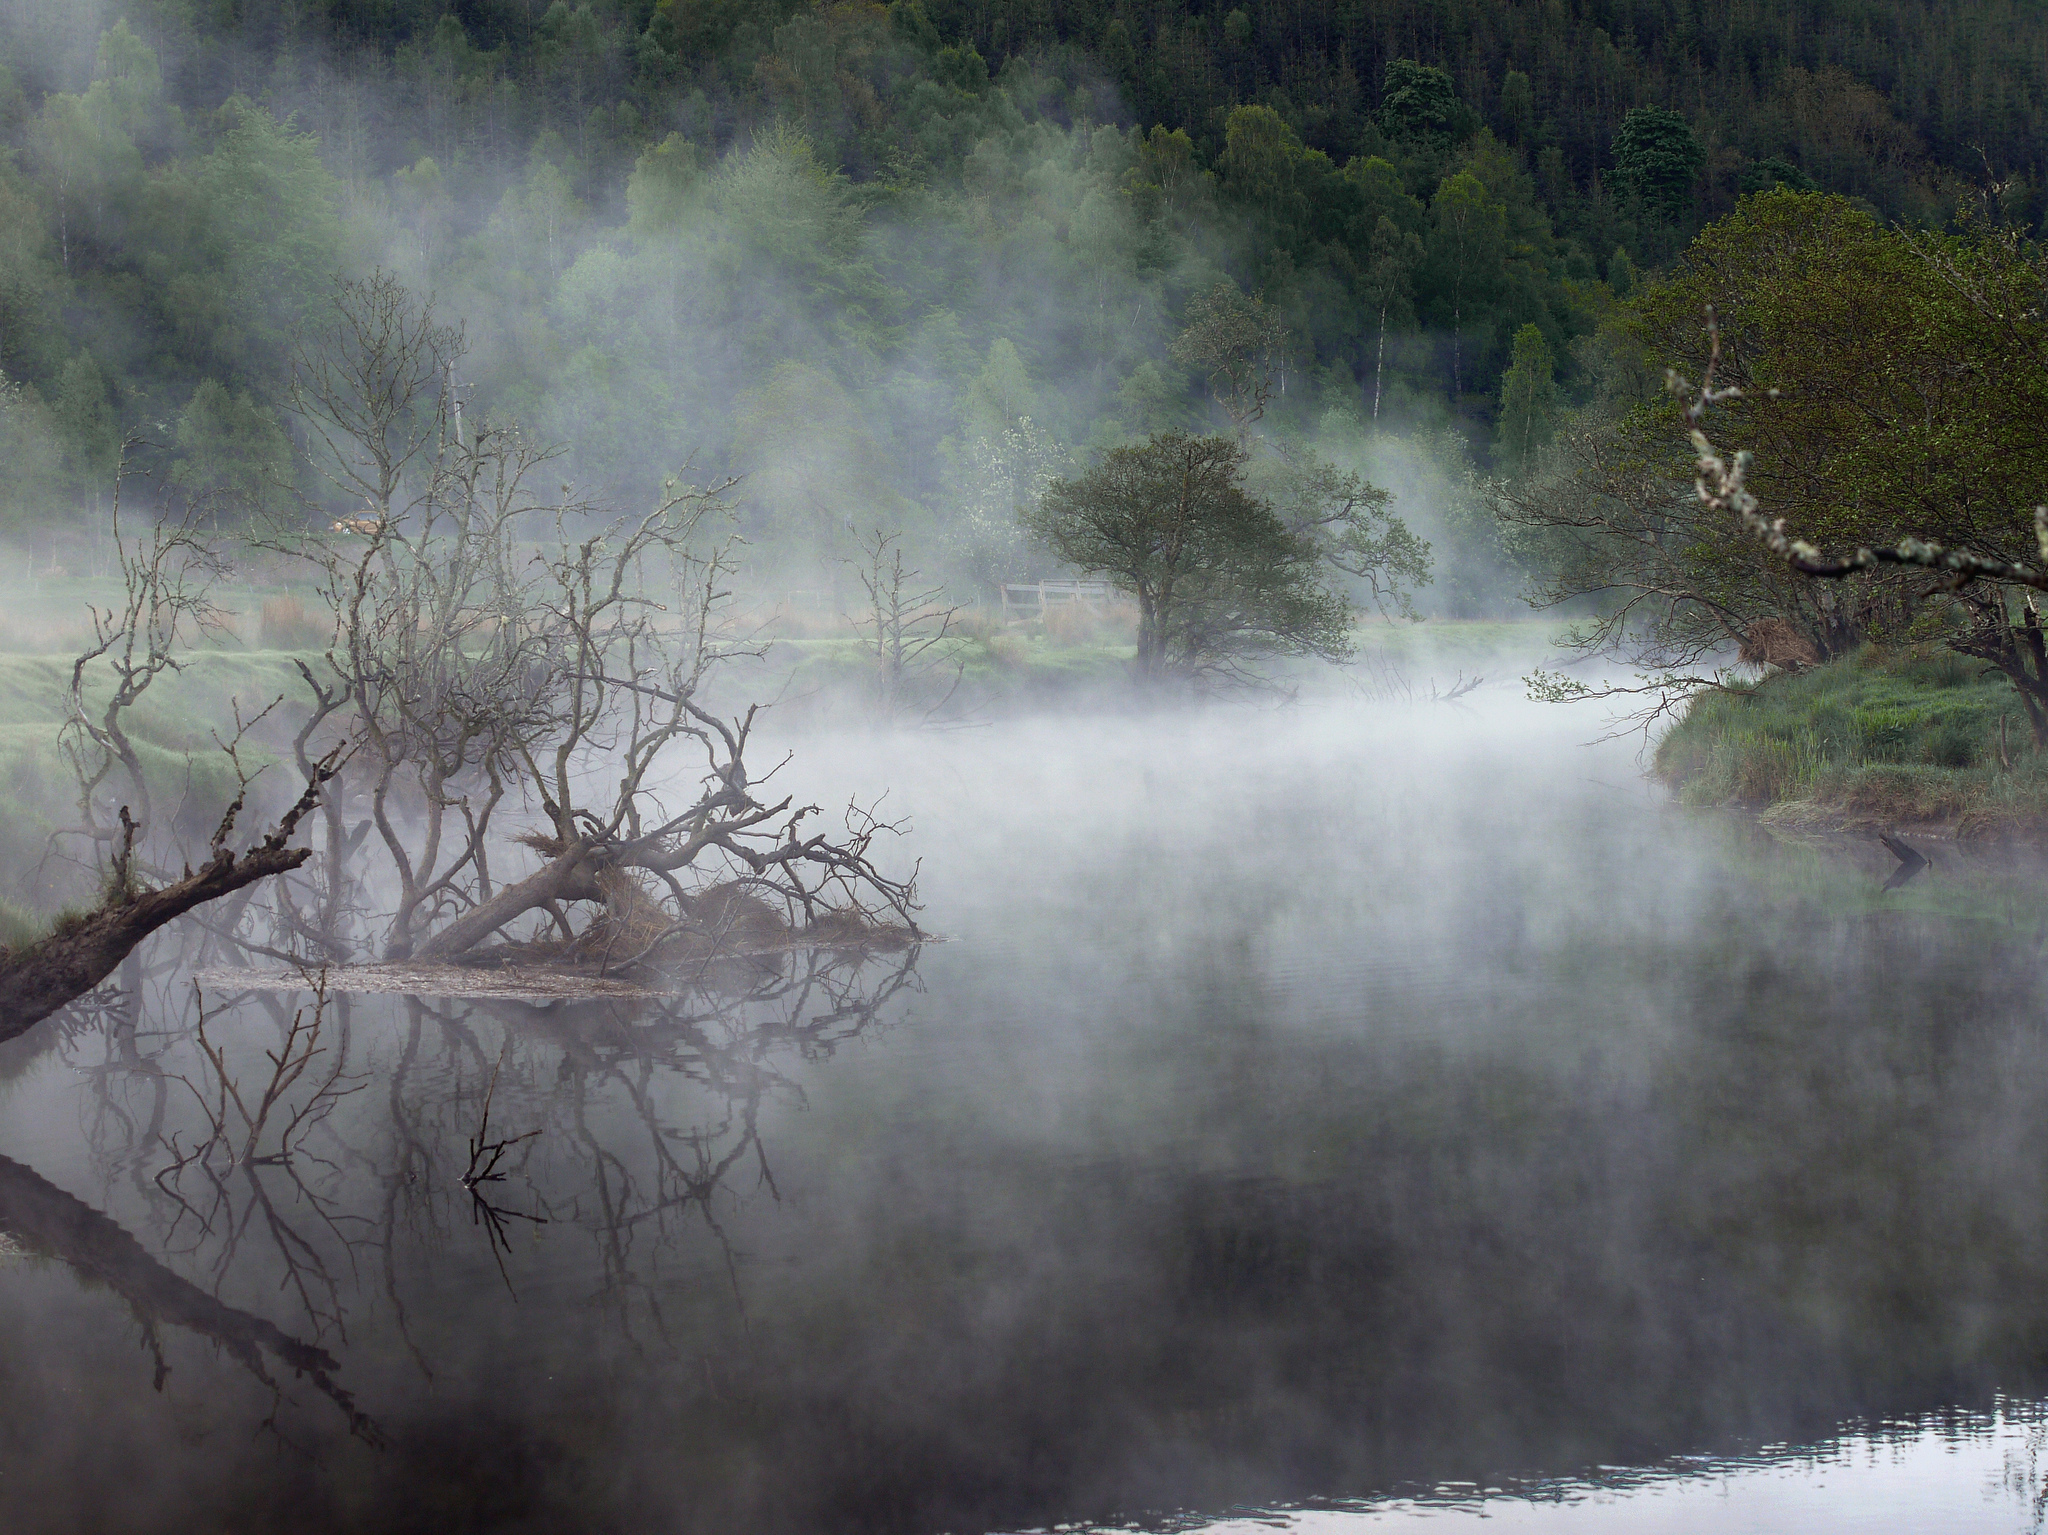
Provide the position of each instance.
(1882, 736)
(188, 778)
(988, 667)
(1032, 664)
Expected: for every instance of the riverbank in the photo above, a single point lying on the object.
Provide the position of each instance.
(1916, 739)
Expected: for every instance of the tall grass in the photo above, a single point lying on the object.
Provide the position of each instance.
(1907, 734)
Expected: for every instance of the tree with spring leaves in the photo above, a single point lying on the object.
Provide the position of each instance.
(1528, 399)
(1221, 582)
(1890, 385)
(1238, 343)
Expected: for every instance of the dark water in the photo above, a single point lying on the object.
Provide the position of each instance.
(1312, 1119)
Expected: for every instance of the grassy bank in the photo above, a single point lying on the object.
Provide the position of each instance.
(173, 733)
(1905, 737)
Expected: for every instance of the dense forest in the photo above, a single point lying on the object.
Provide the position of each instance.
(898, 266)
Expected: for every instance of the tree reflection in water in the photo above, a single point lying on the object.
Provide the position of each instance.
(274, 1150)
(1098, 1234)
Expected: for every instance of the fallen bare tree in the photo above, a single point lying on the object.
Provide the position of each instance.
(494, 652)
(84, 950)
(165, 576)
(499, 652)
(621, 695)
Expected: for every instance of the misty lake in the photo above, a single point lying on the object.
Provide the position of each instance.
(1326, 1119)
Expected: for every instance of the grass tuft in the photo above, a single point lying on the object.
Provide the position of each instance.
(1879, 737)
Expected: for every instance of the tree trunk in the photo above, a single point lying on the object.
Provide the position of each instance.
(1457, 350)
(1148, 636)
(2021, 652)
(1379, 365)
(37, 980)
(568, 876)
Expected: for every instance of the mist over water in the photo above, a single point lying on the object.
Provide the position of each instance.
(1305, 1107)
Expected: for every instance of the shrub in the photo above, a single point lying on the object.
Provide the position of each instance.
(977, 624)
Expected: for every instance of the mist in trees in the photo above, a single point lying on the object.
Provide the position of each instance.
(1218, 578)
(925, 306)
(645, 223)
(583, 553)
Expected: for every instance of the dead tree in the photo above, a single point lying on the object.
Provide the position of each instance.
(83, 951)
(439, 671)
(367, 382)
(166, 577)
(499, 651)
(901, 631)
(430, 667)
(625, 674)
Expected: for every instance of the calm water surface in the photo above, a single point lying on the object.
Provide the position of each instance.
(1315, 1119)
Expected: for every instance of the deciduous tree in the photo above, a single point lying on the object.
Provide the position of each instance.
(1220, 581)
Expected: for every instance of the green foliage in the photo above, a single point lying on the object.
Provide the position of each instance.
(643, 210)
(1420, 102)
(812, 470)
(1621, 273)
(1910, 370)
(267, 240)
(89, 424)
(1467, 252)
(1656, 159)
(1518, 107)
(1002, 393)
(1218, 577)
(1528, 399)
(1765, 175)
(1237, 343)
(232, 455)
(30, 448)
(1882, 735)
(1261, 163)
(658, 194)
(909, 22)
(19, 926)
(1888, 383)
(1345, 518)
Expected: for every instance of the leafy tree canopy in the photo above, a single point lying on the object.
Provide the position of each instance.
(1220, 581)
(1420, 101)
(1657, 158)
(1908, 369)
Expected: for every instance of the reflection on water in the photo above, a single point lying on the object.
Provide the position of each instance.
(1960, 1473)
(1316, 1110)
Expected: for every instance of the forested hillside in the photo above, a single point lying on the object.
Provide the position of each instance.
(898, 265)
